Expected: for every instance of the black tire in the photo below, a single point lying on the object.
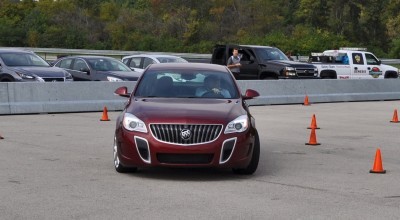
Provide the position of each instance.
(7, 79)
(252, 167)
(118, 166)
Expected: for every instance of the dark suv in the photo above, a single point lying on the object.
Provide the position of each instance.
(26, 66)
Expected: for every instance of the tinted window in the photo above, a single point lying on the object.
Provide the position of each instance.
(107, 64)
(371, 59)
(66, 63)
(22, 59)
(135, 62)
(80, 65)
(171, 60)
(358, 59)
(270, 54)
(186, 83)
(147, 61)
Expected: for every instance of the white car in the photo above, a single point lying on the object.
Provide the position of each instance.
(139, 62)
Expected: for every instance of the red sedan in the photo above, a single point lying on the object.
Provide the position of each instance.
(186, 115)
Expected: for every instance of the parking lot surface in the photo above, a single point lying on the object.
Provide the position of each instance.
(60, 166)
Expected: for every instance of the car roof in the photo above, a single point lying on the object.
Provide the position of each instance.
(151, 56)
(87, 57)
(190, 66)
(243, 45)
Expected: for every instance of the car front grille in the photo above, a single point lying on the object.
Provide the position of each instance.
(185, 134)
(305, 72)
(185, 158)
(53, 79)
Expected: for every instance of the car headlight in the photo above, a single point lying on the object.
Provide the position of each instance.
(240, 124)
(114, 79)
(315, 71)
(24, 75)
(289, 71)
(132, 123)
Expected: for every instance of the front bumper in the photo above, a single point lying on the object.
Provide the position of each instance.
(142, 149)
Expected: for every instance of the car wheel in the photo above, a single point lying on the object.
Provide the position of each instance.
(117, 164)
(252, 167)
(7, 79)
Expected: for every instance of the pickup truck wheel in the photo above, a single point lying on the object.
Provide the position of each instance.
(391, 75)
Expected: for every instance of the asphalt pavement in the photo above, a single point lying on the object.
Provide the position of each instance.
(60, 166)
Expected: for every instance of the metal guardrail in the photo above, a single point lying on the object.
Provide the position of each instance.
(51, 54)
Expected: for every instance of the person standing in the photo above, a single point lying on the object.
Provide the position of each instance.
(234, 63)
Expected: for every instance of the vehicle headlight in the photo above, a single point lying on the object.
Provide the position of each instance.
(114, 79)
(240, 124)
(289, 71)
(24, 75)
(132, 123)
(315, 71)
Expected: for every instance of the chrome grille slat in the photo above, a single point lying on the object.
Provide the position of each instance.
(200, 133)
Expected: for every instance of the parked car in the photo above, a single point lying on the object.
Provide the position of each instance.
(186, 115)
(140, 62)
(96, 68)
(25, 66)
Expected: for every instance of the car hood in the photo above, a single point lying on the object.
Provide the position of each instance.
(184, 110)
(125, 75)
(289, 63)
(41, 71)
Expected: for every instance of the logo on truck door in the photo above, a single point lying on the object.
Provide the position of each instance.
(375, 72)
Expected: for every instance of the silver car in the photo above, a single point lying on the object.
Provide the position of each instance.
(140, 62)
(26, 66)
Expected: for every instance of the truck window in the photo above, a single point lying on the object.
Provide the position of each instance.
(270, 54)
(371, 59)
(357, 58)
(245, 55)
(219, 55)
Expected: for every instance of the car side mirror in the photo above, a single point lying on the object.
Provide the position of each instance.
(252, 59)
(379, 62)
(86, 70)
(122, 91)
(250, 94)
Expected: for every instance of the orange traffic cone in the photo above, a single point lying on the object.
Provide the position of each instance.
(395, 118)
(313, 138)
(105, 115)
(306, 101)
(313, 123)
(378, 168)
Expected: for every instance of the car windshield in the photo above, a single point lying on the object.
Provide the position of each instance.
(187, 84)
(270, 54)
(23, 59)
(107, 64)
(171, 60)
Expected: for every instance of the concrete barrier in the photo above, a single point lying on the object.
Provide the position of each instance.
(26, 98)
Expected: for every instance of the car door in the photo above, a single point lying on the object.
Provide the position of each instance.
(373, 66)
(249, 64)
(359, 70)
(80, 70)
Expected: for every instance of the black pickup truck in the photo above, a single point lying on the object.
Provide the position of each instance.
(263, 62)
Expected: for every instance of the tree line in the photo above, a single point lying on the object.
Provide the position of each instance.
(299, 26)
